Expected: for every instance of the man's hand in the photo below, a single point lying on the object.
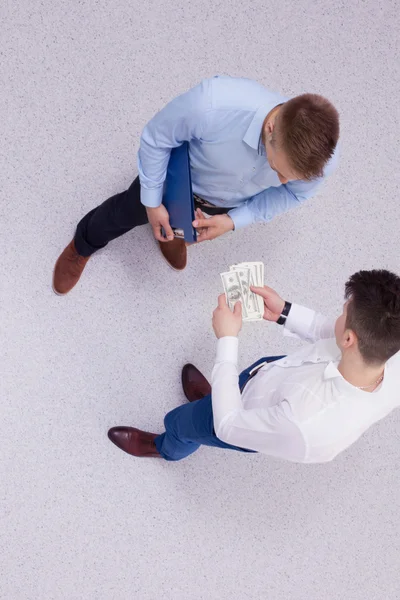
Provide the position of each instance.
(225, 322)
(158, 219)
(209, 229)
(273, 303)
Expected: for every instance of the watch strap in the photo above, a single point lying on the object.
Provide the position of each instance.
(285, 312)
(286, 309)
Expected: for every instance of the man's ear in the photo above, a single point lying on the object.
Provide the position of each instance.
(269, 129)
(349, 338)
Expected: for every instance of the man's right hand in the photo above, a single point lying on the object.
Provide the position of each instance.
(159, 219)
(226, 322)
(273, 303)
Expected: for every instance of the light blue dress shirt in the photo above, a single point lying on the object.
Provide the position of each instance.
(222, 118)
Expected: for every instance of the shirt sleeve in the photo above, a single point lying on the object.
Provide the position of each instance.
(270, 431)
(273, 201)
(183, 119)
(306, 324)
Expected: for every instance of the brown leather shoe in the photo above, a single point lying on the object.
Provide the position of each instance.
(175, 253)
(68, 270)
(134, 441)
(194, 384)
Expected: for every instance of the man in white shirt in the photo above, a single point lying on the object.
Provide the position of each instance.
(306, 407)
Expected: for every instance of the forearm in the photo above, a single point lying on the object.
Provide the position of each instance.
(226, 396)
(273, 201)
(264, 206)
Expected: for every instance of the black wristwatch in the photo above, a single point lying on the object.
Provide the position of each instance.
(285, 313)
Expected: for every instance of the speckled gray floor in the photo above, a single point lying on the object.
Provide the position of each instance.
(80, 520)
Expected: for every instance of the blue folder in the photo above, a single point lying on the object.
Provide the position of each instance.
(178, 195)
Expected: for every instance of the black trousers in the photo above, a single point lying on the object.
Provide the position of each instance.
(116, 216)
(111, 219)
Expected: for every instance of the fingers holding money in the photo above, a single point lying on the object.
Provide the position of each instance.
(199, 215)
(222, 301)
(213, 227)
(233, 290)
(238, 309)
(159, 221)
(273, 303)
(238, 283)
(225, 321)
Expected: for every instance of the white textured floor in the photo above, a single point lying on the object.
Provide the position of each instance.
(79, 518)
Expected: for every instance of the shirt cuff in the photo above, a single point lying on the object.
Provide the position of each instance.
(227, 350)
(299, 321)
(151, 197)
(241, 217)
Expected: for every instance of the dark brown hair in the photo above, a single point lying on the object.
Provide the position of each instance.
(308, 131)
(373, 313)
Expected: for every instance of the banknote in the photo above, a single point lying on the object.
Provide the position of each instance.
(233, 290)
(237, 282)
(245, 283)
(256, 279)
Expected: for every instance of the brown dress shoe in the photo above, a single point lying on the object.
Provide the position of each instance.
(68, 270)
(175, 253)
(194, 384)
(134, 441)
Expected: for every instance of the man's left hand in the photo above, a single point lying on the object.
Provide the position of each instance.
(225, 322)
(209, 229)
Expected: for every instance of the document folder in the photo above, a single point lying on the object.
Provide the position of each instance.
(178, 195)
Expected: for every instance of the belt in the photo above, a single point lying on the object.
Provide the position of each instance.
(209, 208)
(253, 373)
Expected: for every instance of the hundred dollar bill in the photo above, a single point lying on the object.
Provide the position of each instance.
(233, 290)
(246, 280)
(256, 279)
(237, 284)
(257, 270)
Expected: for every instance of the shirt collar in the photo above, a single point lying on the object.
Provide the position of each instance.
(252, 137)
(331, 371)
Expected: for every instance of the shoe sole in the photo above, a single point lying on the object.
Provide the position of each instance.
(58, 293)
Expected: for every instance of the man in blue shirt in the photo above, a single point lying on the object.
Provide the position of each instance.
(254, 154)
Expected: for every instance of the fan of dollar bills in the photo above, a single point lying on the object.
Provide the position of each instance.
(237, 282)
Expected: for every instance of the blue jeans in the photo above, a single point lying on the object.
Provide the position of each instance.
(189, 426)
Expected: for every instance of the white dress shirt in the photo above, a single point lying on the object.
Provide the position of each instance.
(299, 408)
